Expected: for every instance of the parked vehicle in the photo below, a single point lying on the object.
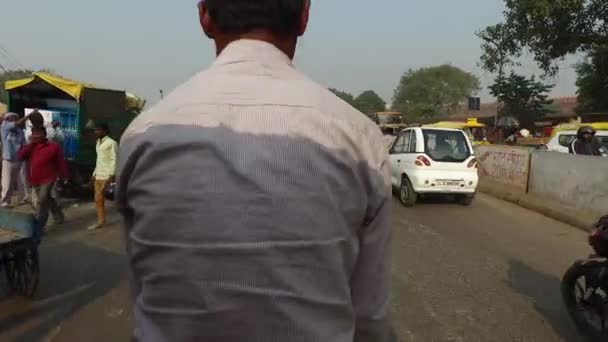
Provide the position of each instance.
(475, 130)
(561, 140)
(77, 107)
(585, 287)
(429, 160)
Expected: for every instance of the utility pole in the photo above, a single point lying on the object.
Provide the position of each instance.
(500, 77)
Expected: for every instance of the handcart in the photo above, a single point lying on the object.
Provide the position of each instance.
(19, 240)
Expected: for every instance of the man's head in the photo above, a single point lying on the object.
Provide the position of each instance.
(586, 133)
(279, 22)
(102, 130)
(38, 135)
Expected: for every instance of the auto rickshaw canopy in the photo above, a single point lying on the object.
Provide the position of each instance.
(73, 89)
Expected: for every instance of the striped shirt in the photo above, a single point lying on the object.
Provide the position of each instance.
(257, 208)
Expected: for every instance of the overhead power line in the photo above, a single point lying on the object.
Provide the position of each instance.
(10, 58)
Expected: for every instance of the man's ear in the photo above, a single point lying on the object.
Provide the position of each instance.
(206, 22)
(304, 18)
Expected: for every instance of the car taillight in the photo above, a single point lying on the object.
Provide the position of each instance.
(422, 161)
(473, 163)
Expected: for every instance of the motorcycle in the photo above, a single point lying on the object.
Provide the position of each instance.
(584, 287)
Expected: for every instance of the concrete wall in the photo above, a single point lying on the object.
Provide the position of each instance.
(508, 166)
(578, 181)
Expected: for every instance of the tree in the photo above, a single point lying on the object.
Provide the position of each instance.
(369, 103)
(434, 91)
(592, 82)
(498, 48)
(523, 98)
(10, 75)
(552, 29)
(348, 98)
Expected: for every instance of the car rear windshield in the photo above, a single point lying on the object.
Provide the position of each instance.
(446, 146)
(565, 140)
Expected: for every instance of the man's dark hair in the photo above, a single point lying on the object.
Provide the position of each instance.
(242, 16)
(103, 126)
(39, 129)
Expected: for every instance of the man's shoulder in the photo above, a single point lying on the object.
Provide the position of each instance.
(211, 88)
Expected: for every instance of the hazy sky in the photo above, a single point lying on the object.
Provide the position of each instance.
(146, 45)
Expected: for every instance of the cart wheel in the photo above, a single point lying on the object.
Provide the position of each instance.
(8, 265)
(23, 272)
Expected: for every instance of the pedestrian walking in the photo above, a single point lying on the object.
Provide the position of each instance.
(46, 165)
(257, 204)
(105, 170)
(13, 138)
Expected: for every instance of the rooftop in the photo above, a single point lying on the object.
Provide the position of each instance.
(562, 107)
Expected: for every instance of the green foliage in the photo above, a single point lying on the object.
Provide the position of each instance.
(11, 75)
(348, 98)
(592, 82)
(549, 29)
(369, 103)
(434, 91)
(498, 48)
(524, 98)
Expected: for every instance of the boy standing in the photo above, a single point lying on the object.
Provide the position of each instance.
(105, 170)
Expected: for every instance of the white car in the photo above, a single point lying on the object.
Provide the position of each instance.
(562, 140)
(427, 160)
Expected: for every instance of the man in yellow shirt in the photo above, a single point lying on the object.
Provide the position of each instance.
(105, 170)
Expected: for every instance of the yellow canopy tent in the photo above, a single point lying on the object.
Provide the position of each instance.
(72, 88)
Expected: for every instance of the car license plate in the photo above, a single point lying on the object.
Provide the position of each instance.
(448, 183)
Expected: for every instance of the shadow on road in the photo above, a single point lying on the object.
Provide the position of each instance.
(544, 291)
(73, 275)
(434, 199)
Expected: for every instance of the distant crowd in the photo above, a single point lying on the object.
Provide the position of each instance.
(33, 166)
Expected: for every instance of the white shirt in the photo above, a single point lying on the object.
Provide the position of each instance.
(257, 206)
(107, 155)
(55, 135)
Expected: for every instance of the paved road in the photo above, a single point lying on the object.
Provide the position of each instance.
(485, 273)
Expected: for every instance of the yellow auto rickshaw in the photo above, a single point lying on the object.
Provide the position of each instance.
(475, 130)
(598, 126)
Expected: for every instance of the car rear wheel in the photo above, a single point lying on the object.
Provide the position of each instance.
(407, 195)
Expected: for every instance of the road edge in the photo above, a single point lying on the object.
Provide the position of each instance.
(584, 220)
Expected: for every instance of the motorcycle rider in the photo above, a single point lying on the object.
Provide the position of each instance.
(584, 143)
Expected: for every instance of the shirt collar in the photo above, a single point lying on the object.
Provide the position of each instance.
(249, 50)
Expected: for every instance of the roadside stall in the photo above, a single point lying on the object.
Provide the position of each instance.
(77, 107)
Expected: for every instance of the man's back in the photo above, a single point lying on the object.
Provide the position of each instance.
(257, 207)
(582, 147)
